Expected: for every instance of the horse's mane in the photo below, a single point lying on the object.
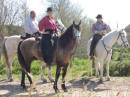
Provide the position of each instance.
(114, 31)
(66, 37)
(109, 33)
(60, 22)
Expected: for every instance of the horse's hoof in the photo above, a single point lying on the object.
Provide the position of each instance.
(101, 81)
(44, 80)
(56, 89)
(64, 88)
(51, 79)
(10, 80)
(90, 75)
(108, 79)
(24, 87)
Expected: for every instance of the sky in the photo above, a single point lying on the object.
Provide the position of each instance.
(114, 11)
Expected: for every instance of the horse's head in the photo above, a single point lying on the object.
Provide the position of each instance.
(77, 29)
(122, 38)
(60, 25)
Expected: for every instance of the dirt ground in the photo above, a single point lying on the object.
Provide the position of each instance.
(83, 87)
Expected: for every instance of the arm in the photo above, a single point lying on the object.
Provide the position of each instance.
(106, 29)
(56, 29)
(41, 25)
(94, 30)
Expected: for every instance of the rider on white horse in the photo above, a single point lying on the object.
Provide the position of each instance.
(31, 26)
(99, 29)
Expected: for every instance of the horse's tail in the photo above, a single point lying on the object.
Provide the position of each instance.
(20, 57)
(21, 60)
(4, 51)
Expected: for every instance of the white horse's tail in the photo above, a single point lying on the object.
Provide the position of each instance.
(4, 51)
(88, 46)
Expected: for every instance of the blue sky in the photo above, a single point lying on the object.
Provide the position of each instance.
(114, 11)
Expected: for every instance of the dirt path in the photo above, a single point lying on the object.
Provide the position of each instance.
(84, 87)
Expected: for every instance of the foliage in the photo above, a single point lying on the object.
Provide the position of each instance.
(81, 66)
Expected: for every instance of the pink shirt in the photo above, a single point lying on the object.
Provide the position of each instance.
(47, 23)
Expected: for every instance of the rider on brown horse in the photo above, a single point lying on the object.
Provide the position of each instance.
(99, 29)
(31, 26)
(48, 28)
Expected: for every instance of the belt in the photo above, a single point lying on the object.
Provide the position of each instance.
(50, 31)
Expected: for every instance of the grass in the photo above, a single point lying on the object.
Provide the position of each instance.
(79, 66)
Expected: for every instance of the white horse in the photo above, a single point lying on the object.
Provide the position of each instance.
(103, 50)
(9, 50)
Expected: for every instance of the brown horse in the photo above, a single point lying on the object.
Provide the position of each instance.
(30, 50)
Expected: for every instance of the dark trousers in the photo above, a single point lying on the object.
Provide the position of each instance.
(47, 48)
(28, 35)
(37, 34)
(94, 42)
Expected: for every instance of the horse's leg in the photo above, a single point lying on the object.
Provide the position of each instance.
(91, 69)
(43, 71)
(28, 73)
(8, 65)
(64, 70)
(97, 69)
(56, 78)
(101, 70)
(49, 74)
(107, 67)
(23, 80)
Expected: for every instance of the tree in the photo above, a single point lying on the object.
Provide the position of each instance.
(67, 12)
(12, 13)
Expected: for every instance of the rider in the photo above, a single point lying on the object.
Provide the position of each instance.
(47, 27)
(99, 29)
(31, 26)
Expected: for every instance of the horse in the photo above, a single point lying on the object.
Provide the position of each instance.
(29, 50)
(9, 50)
(103, 50)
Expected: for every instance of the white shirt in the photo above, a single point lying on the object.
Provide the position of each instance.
(30, 26)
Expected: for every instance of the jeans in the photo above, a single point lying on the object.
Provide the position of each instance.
(94, 42)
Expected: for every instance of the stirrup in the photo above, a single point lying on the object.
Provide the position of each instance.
(37, 39)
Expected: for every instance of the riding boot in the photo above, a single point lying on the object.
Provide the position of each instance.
(47, 48)
(94, 42)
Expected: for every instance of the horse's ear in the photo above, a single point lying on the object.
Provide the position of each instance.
(121, 30)
(80, 22)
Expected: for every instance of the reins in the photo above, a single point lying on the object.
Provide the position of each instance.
(108, 51)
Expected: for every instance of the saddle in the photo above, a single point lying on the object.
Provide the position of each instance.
(36, 35)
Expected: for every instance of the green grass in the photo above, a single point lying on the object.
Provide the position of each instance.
(79, 66)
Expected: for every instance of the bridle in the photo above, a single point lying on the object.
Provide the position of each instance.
(122, 35)
(123, 43)
(61, 28)
(77, 33)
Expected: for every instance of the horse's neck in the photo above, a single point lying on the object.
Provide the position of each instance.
(67, 40)
(110, 39)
